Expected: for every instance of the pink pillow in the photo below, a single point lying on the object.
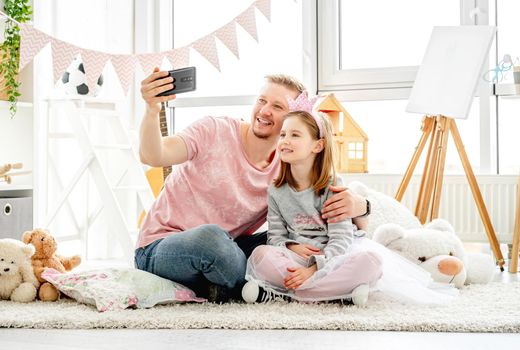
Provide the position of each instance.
(119, 288)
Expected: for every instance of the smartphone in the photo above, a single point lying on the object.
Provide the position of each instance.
(185, 80)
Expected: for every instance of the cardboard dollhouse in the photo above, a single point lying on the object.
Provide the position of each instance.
(352, 141)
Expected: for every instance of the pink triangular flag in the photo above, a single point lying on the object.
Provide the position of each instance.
(180, 57)
(207, 47)
(248, 21)
(32, 41)
(149, 61)
(124, 66)
(264, 6)
(62, 55)
(228, 35)
(93, 63)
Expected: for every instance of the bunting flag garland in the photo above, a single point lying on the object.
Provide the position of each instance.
(63, 53)
(248, 22)
(228, 35)
(264, 6)
(33, 41)
(207, 47)
(149, 61)
(121, 64)
(93, 62)
(179, 57)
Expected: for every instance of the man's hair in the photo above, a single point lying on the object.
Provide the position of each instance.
(324, 163)
(286, 80)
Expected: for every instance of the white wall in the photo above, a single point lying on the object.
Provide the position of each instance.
(106, 26)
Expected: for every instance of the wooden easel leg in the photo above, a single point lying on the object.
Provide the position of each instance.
(513, 264)
(477, 196)
(439, 174)
(433, 164)
(426, 128)
(427, 164)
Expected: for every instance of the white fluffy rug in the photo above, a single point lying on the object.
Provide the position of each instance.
(494, 307)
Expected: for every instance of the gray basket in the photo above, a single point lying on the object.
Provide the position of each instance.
(16, 215)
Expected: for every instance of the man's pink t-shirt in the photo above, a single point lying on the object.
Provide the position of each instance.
(217, 185)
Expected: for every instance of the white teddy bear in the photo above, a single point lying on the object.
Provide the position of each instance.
(435, 246)
(17, 280)
(384, 209)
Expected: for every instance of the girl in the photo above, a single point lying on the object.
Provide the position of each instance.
(308, 259)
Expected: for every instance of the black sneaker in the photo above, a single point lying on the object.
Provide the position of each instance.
(346, 301)
(253, 293)
(218, 294)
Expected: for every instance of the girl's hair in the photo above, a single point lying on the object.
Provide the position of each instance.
(323, 166)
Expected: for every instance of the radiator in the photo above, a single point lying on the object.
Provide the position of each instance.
(457, 203)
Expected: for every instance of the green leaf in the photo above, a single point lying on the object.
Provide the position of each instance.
(10, 49)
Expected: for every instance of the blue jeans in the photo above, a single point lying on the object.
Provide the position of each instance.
(200, 255)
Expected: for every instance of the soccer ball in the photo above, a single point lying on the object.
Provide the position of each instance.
(75, 82)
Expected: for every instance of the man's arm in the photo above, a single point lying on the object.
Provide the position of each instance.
(154, 149)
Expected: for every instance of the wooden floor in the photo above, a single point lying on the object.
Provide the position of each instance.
(12, 339)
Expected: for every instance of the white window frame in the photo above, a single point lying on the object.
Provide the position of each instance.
(399, 79)
(393, 83)
(309, 66)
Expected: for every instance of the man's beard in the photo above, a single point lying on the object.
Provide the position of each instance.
(260, 136)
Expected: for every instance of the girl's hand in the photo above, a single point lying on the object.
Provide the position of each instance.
(154, 84)
(298, 276)
(343, 205)
(304, 250)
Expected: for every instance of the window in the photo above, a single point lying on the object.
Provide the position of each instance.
(508, 118)
(278, 49)
(390, 36)
(376, 43)
(355, 150)
(508, 128)
(369, 56)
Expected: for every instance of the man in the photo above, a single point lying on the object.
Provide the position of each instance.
(201, 226)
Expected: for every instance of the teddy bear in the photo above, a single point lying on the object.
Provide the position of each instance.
(435, 246)
(45, 256)
(17, 279)
(384, 209)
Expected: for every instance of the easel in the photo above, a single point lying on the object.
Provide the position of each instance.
(428, 201)
(513, 264)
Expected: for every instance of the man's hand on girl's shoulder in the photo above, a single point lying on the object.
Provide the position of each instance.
(344, 204)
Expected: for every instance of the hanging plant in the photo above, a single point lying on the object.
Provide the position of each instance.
(20, 11)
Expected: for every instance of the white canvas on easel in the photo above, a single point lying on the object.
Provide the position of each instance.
(450, 71)
(444, 90)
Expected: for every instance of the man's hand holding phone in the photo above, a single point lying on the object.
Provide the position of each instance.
(155, 84)
(184, 80)
(162, 86)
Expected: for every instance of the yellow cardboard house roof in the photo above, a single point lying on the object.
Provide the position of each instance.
(330, 103)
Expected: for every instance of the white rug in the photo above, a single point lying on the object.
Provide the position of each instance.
(494, 307)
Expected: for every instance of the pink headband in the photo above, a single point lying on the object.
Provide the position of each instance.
(304, 103)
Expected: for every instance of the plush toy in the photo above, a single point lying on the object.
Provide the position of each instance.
(17, 280)
(384, 209)
(45, 256)
(436, 248)
(393, 225)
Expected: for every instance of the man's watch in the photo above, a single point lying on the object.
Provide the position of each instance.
(367, 212)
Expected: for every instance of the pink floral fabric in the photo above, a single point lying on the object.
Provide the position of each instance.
(117, 289)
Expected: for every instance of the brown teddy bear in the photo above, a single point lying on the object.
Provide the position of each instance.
(45, 256)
